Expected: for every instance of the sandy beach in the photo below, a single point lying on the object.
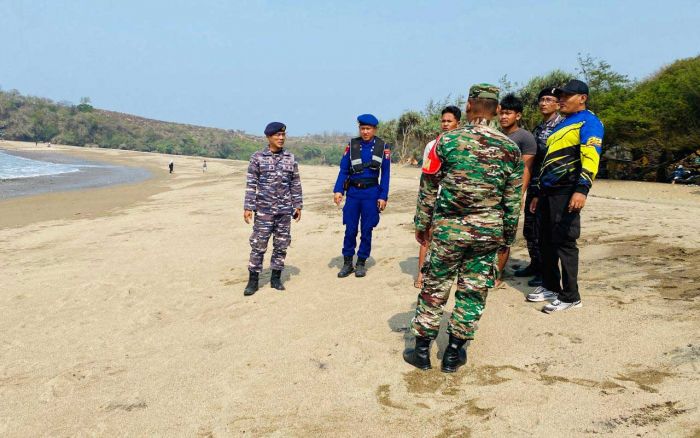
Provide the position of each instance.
(123, 315)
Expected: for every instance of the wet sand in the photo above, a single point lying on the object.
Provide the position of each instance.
(92, 174)
(129, 319)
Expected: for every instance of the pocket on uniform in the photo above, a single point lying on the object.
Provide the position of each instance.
(568, 227)
(377, 217)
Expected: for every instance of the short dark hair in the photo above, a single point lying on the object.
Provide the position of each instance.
(511, 102)
(486, 107)
(452, 110)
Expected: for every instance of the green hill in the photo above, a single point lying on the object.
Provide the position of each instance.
(28, 118)
(649, 124)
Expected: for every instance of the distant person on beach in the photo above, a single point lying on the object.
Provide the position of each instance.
(171, 166)
(548, 105)
(204, 166)
(273, 195)
(566, 177)
(509, 115)
(473, 217)
(449, 120)
(364, 176)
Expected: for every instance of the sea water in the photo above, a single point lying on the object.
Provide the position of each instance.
(13, 167)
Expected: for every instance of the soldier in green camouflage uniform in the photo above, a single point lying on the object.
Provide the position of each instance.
(473, 216)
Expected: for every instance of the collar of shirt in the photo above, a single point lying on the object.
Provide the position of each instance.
(267, 151)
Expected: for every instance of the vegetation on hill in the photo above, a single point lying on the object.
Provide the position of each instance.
(28, 118)
(648, 124)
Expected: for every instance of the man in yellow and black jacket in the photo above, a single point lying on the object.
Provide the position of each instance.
(567, 174)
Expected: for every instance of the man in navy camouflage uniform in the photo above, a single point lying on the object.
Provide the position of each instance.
(273, 194)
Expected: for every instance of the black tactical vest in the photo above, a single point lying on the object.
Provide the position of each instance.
(356, 164)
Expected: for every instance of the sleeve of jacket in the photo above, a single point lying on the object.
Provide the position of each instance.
(512, 197)
(385, 176)
(251, 184)
(591, 148)
(297, 197)
(343, 172)
(427, 193)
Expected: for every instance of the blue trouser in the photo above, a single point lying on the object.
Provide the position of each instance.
(359, 212)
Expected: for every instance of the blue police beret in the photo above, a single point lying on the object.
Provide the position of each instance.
(274, 127)
(367, 119)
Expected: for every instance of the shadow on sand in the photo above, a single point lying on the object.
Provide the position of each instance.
(401, 323)
(287, 273)
(337, 262)
(410, 266)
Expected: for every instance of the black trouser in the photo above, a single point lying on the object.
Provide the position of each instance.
(531, 232)
(559, 230)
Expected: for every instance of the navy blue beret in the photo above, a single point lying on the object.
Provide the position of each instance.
(367, 119)
(274, 127)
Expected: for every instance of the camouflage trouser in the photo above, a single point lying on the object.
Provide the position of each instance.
(531, 232)
(266, 225)
(474, 266)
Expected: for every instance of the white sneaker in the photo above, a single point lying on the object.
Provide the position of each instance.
(541, 294)
(557, 305)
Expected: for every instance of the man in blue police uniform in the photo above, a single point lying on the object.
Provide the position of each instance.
(364, 176)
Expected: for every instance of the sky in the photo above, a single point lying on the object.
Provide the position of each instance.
(316, 65)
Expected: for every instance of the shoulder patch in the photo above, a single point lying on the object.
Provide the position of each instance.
(387, 153)
(347, 149)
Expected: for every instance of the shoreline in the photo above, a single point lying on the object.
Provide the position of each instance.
(91, 174)
(91, 192)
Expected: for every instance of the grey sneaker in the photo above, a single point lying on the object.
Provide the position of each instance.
(541, 294)
(558, 305)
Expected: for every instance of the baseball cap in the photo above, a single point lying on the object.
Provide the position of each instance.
(574, 86)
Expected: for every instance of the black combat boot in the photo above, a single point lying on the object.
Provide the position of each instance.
(276, 280)
(454, 356)
(419, 357)
(360, 269)
(252, 285)
(347, 267)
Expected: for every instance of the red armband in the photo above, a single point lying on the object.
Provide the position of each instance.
(432, 164)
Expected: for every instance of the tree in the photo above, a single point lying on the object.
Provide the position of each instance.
(85, 106)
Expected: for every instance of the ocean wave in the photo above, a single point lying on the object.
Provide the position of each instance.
(13, 167)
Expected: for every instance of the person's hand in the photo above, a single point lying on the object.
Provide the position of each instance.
(423, 237)
(576, 203)
(381, 203)
(502, 256)
(297, 214)
(533, 205)
(337, 198)
(247, 215)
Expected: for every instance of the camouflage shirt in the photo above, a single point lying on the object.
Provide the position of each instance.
(273, 185)
(479, 171)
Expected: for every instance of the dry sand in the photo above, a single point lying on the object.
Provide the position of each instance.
(123, 314)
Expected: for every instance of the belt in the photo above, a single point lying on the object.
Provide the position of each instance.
(363, 183)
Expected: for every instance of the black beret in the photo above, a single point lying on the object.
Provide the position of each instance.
(274, 127)
(549, 91)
